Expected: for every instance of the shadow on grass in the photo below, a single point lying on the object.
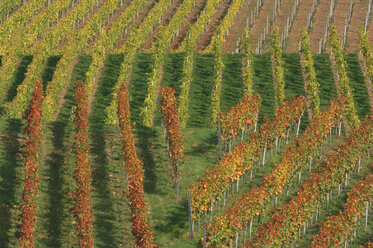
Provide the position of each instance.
(55, 163)
(10, 164)
(176, 222)
(18, 77)
(49, 69)
(204, 146)
(60, 162)
(105, 216)
(145, 136)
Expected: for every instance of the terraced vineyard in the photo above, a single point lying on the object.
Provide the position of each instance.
(172, 123)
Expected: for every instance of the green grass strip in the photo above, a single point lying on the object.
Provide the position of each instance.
(138, 87)
(201, 91)
(357, 83)
(325, 77)
(294, 82)
(232, 84)
(263, 84)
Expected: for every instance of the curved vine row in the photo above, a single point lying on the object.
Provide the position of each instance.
(107, 38)
(82, 193)
(311, 81)
(217, 79)
(255, 202)
(51, 36)
(226, 23)
(134, 40)
(284, 225)
(335, 229)
(173, 132)
(244, 114)
(163, 40)
(344, 85)
(34, 132)
(43, 48)
(279, 70)
(247, 61)
(143, 235)
(242, 158)
(186, 79)
(366, 51)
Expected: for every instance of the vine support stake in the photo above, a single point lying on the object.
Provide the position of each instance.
(190, 216)
(177, 180)
(366, 216)
(219, 138)
(204, 238)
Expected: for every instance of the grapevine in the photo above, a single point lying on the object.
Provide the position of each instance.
(82, 193)
(311, 81)
(141, 231)
(345, 89)
(279, 70)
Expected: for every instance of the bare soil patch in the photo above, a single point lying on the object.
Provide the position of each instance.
(357, 20)
(260, 23)
(339, 18)
(319, 25)
(236, 30)
(300, 21)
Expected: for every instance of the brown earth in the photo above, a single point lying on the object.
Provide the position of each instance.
(283, 14)
(280, 19)
(300, 21)
(165, 20)
(339, 18)
(260, 23)
(319, 25)
(357, 20)
(238, 27)
(191, 19)
(216, 19)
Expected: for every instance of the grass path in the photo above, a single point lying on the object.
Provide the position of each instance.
(111, 215)
(232, 83)
(200, 91)
(294, 82)
(357, 83)
(325, 77)
(263, 85)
